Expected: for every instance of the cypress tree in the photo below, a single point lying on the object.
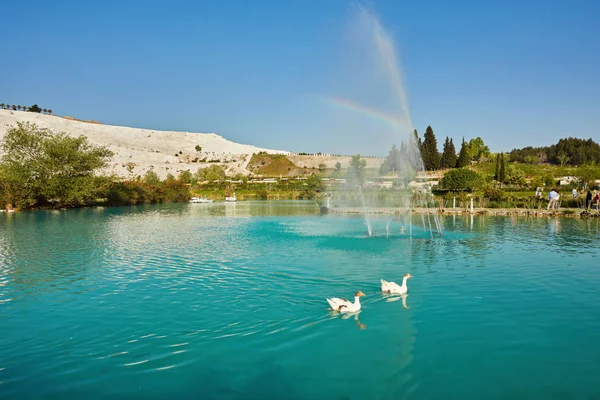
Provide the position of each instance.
(497, 171)
(463, 157)
(449, 156)
(429, 152)
(502, 173)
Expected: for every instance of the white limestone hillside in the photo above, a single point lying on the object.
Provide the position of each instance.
(144, 149)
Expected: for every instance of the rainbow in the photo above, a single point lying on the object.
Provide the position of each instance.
(364, 110)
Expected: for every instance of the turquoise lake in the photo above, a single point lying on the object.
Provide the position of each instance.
(194, 301)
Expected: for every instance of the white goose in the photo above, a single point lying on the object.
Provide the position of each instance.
(393, 287)
(343, 305)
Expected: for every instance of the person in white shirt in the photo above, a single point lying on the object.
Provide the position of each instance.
(553, 197)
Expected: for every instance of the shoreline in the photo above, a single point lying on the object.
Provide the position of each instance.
(502, 212)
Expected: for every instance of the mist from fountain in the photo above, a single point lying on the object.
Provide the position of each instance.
(378, 82)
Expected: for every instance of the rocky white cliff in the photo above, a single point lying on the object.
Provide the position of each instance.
(139, 150)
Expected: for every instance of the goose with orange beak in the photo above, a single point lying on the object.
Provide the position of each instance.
(343, 305)
(393, 287)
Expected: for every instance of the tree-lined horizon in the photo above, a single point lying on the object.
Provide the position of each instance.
(33, 108)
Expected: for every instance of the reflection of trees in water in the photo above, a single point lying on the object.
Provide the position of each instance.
(252, 208)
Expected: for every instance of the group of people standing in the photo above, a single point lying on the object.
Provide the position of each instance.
(554, 197)
(592, 199)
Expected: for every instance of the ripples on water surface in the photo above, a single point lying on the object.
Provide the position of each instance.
(228, 302)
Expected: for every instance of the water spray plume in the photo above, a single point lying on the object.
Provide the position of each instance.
(372, 87)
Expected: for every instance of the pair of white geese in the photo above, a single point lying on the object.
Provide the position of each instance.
(343, 305)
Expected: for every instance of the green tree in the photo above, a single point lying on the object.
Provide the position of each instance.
(40, 166)
(198, 148)
(497, 170)
(461, 179)
(19, 108)
(356, 170)
(338, 167)
(49, 111)
(429, 152)
(563, 158)
(313, 185)
(170, 178)
(35, 108)
(2, 105)
(14, 107)
(322, 167)
(44, 111)
(214, 173)
(449, 155)
(186, 177)
(502, 172)
(130, 166)
(515, 176)
(587, 175)
(151, 178)
(477, 150)
(463, 157)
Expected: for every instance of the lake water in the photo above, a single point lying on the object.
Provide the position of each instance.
(228, 302)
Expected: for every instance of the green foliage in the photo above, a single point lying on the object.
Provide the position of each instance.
(514, 176)
(338, 167)
(477, 150)
(497, 170)
(494, 194)
(563, 158)
(198, 148)
(322, 167)
(40, 167)
(215, 173)
(186, 177)
(569, 151)
(34, 108)
(262, 194)
(463, 157)
(502, 171)
(449, 158)
(133, 192)
(356, 170)
(313, 186)
(241, 177)
(429, 152)
(460, 179)
(151, 178)
(587, 175)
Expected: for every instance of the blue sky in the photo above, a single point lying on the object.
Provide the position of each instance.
(515, 73)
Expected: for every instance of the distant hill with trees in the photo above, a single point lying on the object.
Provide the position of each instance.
(569, 151)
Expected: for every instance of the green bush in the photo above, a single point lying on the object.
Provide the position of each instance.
(461, 179)
(493, 193)
(39, 167)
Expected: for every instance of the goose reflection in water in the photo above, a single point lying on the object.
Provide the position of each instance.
(394, 297)
(348, 315)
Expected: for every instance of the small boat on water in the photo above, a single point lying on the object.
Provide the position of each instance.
(231, 199)
(200, 200)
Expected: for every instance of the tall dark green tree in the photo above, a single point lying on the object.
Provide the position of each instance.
(502, 171)
(35, 108)
(463, 156)
(449, 155)
(429, 152)
(497, 170)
